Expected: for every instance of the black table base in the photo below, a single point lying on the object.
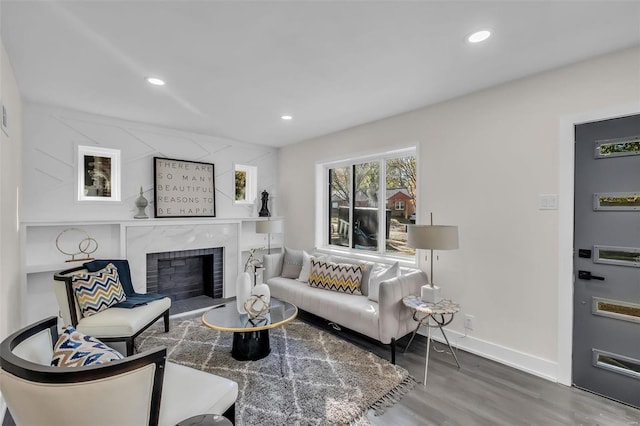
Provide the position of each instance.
(250, 345)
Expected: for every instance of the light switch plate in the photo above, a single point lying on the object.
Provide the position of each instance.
(548, 201)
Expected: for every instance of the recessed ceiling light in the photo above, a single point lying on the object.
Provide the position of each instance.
(479, 36)
(155, 81)
(286, 117)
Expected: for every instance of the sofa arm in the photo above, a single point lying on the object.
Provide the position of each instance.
(395, 319)
(272, 265)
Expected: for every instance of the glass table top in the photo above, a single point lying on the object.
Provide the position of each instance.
(225, 317)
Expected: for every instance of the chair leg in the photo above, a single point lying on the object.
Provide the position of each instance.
(129, 343)
(393, 350)
(166, 321)
(231, 414)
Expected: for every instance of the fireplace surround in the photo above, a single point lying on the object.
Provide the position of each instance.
(185, 274)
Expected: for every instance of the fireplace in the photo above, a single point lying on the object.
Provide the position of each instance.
(186, 274)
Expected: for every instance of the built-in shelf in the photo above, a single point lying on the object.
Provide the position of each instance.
(41, 259)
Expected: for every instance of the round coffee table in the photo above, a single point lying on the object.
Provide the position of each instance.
(250, 336)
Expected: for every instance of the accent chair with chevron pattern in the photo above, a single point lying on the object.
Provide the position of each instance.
(97, 299)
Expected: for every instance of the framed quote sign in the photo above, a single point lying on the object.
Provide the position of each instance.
(183, 188)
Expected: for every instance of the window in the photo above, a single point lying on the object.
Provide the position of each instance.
(368, 198)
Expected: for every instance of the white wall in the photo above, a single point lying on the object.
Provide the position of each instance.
(52, 134)
(10, 187)
(483, 161)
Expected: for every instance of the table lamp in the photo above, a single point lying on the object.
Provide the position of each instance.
(432, 237)
(269, 227)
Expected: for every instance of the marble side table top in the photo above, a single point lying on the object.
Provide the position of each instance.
(444, 306)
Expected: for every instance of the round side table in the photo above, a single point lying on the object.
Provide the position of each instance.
(431, 315)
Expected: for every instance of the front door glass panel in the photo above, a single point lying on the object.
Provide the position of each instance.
(617, 363)
(617, 147)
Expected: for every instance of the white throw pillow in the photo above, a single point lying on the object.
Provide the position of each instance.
(306, 267)
(379, 274)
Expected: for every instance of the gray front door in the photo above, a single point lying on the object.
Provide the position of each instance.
(606, 319)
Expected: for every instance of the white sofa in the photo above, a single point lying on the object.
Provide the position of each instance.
(378, 313)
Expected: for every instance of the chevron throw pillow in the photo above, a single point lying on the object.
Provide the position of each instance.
(74, 349)
(96, 291)
(342, 277)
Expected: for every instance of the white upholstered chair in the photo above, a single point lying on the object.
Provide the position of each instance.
(115, 324)
(143, 389)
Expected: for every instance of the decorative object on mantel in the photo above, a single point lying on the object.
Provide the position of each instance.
(72, 237)
(141, 204)
(432, 237)
(257, 306)
(269, 227)
(264, 210)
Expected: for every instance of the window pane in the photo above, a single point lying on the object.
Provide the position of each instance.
(623, 256)
(365, 215)
(616, 201)
(625, 311)
(618, 147)
(400, 191)
(617, 363)
(339, 229)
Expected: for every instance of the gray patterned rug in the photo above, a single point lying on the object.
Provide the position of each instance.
(310, 377)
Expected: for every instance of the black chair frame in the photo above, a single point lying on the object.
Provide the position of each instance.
(34, 372)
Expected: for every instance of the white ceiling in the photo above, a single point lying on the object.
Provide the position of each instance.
(233, 67)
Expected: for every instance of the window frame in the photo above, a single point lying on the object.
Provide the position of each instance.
(323, 204)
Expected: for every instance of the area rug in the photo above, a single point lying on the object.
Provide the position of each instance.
(310, 378)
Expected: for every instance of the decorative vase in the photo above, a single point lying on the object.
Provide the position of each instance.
(264, 291)
(243, 291)
(141, 204)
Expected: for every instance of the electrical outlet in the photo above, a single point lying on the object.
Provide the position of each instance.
(468, 321)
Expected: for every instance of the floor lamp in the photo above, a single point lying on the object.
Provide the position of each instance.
(269, 227)
(432, 237)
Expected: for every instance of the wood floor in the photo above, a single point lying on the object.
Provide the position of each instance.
(484, 392)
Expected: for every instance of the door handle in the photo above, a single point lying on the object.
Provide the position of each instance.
(586, 275)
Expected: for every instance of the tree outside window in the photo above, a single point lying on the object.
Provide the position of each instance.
(360, 212)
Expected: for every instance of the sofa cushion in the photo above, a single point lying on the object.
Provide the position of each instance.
(342, 277)
(306, 267)
(97, 291)
(355, 312)
(379, 274)
(75, 349)
(292, 263)
(122, 322)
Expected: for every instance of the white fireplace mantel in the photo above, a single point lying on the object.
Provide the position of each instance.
(130, 239)
(142, 240)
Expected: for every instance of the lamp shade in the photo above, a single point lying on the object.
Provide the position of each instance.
(269, 227)
(433, 237)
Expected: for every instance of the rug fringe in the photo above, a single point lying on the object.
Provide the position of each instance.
(393, 396)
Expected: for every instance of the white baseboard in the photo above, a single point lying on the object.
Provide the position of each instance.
(519, 360)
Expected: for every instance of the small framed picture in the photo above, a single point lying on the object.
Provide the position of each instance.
(246, 184)
(183, 188)
(98, 174)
